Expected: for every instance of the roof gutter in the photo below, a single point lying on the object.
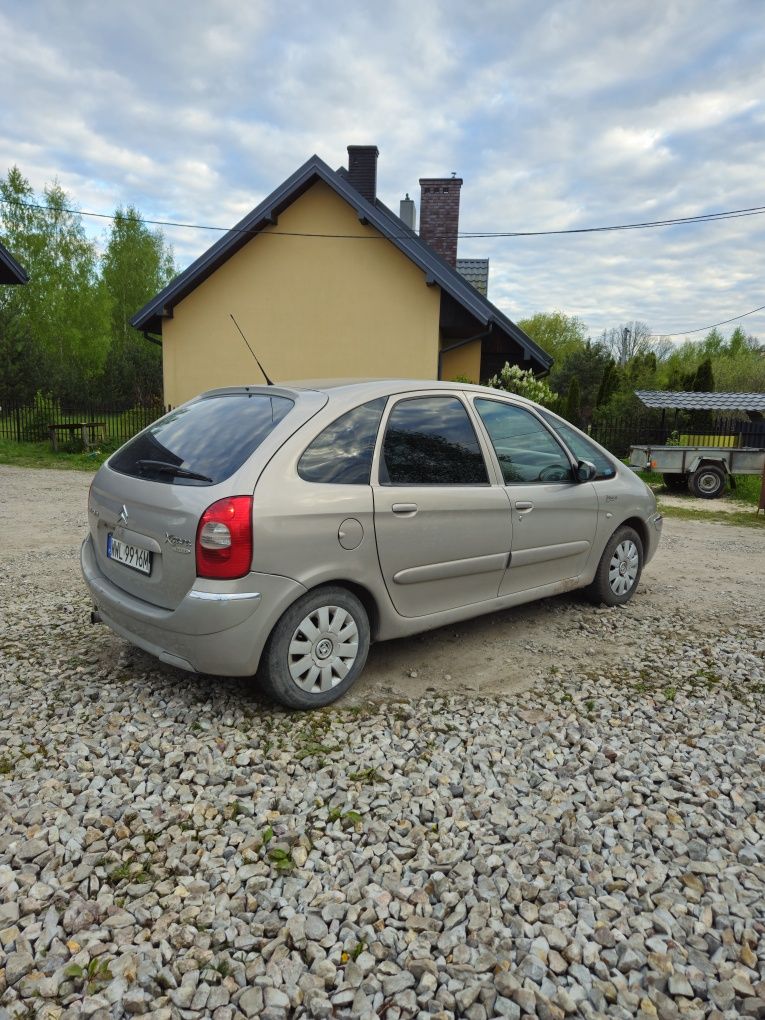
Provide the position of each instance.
(152, 339)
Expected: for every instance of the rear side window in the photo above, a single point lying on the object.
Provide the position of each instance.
(342, 453)
(582, 449)
(205, 442)
(431, 441)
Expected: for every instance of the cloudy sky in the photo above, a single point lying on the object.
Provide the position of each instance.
(556, 114)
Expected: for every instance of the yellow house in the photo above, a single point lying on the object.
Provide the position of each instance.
(326, 282)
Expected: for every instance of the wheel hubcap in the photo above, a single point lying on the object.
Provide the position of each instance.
(323, 649)
(623, 568)
(708, 483)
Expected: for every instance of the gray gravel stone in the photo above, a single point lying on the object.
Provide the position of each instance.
(595, 847)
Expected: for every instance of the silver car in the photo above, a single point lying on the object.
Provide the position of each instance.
(278, 530)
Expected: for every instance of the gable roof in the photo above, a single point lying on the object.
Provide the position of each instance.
(702, 401)
(10, 270)
(475, 271)
(436, 270)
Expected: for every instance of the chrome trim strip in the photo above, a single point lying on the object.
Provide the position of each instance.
(218, 596)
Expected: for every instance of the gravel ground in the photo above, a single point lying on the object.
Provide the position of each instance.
(173, 846)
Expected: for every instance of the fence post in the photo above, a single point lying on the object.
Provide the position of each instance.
(18, 423)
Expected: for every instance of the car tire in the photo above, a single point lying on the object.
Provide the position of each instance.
(707, 481)
(304, 665)
(619, 570)
(676, 483)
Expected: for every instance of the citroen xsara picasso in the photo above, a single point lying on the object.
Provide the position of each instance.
(278, 530)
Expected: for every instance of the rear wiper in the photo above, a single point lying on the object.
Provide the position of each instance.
(172, 469)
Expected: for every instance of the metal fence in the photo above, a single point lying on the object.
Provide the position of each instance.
(704, 429)
(31, 422)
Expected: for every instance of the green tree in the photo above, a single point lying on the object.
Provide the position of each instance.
(61, 307)
(610, 383)
(21, 359)
(703, 380)
(573, 403)
(587, 365)
(136, 264)
(555, 332)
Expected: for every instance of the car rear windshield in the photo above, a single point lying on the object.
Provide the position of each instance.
(204, 442)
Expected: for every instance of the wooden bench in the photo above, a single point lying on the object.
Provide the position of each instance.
(90, 431)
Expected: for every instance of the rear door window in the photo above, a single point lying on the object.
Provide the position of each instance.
(205, 442)
(342, 452)
(431, 441)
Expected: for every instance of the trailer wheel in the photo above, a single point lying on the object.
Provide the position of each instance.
(676, 483)
(707, 481)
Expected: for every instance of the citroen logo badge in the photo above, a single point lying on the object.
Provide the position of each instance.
(123, 515)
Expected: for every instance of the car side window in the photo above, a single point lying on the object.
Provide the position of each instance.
(342, 452)
(582, 449)
(525, 449)
(431, 441)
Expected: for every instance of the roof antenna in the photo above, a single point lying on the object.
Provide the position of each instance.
(251, 350)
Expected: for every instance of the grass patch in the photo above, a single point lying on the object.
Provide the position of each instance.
(40, 455)
(743, 518)
(746, 490)
(281, 859)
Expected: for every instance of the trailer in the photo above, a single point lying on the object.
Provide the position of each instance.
(704, 470)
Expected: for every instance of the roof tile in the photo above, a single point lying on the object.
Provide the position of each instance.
(702, 401)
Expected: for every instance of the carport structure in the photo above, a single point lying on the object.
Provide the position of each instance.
(752, 431)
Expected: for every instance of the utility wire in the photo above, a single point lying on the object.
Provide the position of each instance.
(757, 210)
(730, 214)
(701, 329)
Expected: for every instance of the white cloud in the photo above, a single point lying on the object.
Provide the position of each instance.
(572, 113)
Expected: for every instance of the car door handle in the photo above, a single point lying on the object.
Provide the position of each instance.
(404, 509)
(523, 506)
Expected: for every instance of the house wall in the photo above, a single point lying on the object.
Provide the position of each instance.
(311, 308)
(463, 361)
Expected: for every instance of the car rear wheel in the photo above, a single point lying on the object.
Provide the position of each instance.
(619, 569)
(317, 649)
(708, 481)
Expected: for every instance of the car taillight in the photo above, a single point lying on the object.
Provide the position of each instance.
(224, 538)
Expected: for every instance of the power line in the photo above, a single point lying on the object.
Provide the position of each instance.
(701, 329)
(701, 218)
(730, 214)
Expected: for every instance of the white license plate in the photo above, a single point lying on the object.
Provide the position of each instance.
(129, 555)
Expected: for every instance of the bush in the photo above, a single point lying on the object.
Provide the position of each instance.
(36, 420)
(513, 379)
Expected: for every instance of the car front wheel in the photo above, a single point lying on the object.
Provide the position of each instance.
(619, 569)
(317, 649)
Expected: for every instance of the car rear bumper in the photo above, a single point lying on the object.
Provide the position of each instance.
(218, 627)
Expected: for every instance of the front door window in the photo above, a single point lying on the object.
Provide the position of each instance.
(525, 449)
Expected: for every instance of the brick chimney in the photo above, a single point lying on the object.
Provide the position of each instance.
(362, 169)
(440, 214)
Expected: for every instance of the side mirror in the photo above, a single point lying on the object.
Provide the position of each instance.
(585, 471)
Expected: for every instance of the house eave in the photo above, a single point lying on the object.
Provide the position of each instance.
(375, 214)
(11, 271)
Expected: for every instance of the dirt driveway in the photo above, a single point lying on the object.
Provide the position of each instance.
(705, 579)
